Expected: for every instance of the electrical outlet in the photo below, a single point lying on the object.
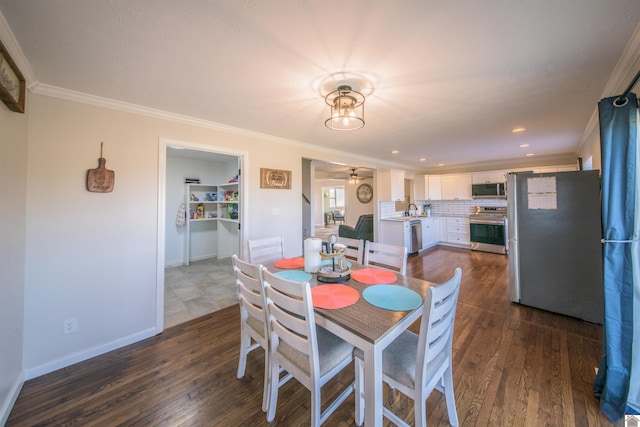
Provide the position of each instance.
(69, 326)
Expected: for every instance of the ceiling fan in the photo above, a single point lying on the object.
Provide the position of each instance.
(354, 178)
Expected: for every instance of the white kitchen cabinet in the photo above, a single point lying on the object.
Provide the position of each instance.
(390, 185)
(430, 232)
(434, 187)
(428, 187)
(456, 187)
(442, 229)
(458, 231)
(488, 177)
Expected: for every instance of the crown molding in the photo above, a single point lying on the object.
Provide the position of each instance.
(98, 101)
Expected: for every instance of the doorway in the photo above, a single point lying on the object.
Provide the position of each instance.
(205, 282)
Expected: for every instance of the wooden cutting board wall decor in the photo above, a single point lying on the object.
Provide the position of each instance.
(100, 180)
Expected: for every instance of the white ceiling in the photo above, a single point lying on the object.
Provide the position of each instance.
(445, 80)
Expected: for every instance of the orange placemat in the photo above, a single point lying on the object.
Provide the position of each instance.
(334, 296)
(290, 263)
(374, 276)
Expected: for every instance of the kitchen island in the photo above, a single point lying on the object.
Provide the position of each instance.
(450, 230)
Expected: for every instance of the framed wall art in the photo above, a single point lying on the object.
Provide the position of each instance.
(275, 179)
(12, 84)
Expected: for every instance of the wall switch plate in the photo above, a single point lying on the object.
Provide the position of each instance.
(275, 211)
(69, 326)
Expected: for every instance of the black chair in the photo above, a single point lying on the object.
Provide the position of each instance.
(363, 229)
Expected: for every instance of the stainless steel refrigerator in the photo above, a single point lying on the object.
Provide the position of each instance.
(555, 249)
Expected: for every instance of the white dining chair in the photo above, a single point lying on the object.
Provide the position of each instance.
(389, 257)
(416, 364)
(253, 325)
(264, 251)
(354, 248)
(308, 353)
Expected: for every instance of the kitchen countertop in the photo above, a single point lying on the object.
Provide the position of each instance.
(409, 218)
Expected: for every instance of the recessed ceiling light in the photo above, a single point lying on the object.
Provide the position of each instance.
(440, 164)
(524, 145)
(518, 130)
(529, 154)
(395, 152)
(423, 159)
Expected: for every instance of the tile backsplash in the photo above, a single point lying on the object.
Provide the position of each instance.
(443, 207)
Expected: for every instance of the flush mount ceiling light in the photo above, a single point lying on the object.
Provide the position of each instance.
(353, 178)
(347, 109)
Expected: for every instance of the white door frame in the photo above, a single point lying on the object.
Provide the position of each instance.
(163, 143)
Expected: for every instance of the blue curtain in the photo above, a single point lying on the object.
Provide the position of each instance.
(617, 382)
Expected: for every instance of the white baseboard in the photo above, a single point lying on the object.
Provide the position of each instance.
(203, 257)
(173, 264)
(11, 398)
(88, 354)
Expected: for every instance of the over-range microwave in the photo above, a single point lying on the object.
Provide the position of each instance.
(494, 190)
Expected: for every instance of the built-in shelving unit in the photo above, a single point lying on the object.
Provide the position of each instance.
(212, 209)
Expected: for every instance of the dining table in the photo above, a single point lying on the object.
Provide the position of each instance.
(368, 327)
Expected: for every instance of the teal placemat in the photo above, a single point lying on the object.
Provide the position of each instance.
(295, 275)
(392, 297)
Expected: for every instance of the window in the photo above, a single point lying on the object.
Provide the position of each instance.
(336, 196)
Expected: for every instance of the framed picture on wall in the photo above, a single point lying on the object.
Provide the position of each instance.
(12, 84)
(275, 179)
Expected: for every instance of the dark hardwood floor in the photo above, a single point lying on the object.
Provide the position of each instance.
(513, 366)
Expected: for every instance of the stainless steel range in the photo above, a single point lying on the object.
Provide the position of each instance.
(488, 229)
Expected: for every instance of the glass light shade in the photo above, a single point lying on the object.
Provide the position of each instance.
(346, 109)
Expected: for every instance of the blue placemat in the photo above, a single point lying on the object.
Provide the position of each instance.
(392, 297)
(295, 275)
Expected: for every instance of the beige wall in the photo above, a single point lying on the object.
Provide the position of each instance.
(92, 256)
(13, 184)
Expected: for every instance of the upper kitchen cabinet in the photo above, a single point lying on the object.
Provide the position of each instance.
(456, 187)
(434, 188)
(428, 187)
(488, 177)
(390, 185)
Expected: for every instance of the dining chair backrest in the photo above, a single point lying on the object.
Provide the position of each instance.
(253, 324)
(298, 346)
(354, 248)
(390, 257)
(264, 251)
(436, 326)
(432, 349)
(291, 321)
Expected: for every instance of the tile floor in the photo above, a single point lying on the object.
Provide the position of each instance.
(198, 289)
(205, 286)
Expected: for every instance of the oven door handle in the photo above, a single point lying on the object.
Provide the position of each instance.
(486, 221)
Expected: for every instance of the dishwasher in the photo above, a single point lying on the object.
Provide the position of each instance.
(415, 244)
